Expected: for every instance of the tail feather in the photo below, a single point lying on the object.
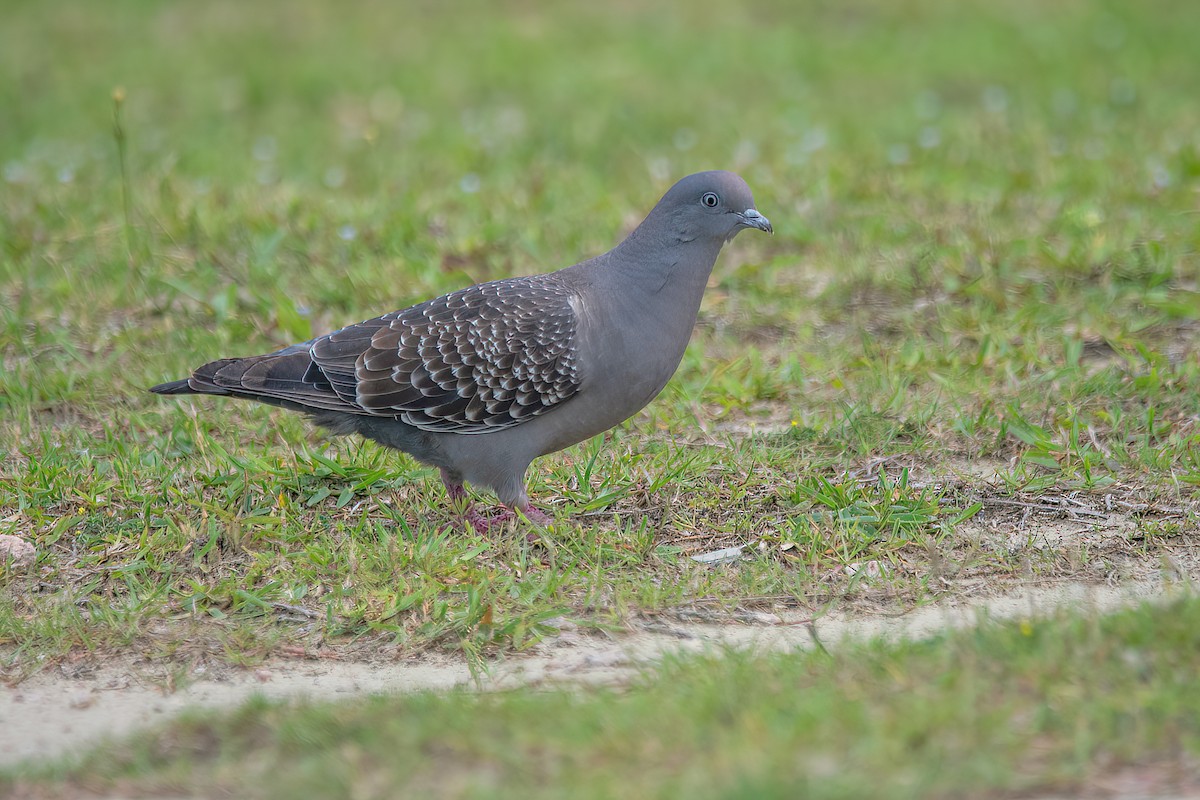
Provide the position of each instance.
(280, 379)
(174, 387)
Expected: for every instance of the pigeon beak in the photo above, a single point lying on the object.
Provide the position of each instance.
(752, 219)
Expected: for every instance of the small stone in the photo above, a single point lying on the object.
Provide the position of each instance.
(724, 556)
(82, 699)
(605, 660)
(16, 551)
(560, 623)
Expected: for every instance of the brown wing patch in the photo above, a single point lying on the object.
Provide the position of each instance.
(476, 360)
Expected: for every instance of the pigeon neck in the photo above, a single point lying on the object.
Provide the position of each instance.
(664, 261)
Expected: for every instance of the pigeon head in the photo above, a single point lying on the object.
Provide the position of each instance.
(714, 205)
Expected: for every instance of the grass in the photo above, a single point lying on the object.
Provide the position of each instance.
(1070, 704)
(978, 313)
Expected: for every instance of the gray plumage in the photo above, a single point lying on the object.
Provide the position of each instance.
(483, 380)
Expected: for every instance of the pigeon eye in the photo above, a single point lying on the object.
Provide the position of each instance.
(709, 199)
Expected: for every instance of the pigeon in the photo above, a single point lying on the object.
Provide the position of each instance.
(482, 381)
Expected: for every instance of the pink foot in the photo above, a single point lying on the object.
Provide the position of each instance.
(537, 516)
(487, 523)
(484, 523)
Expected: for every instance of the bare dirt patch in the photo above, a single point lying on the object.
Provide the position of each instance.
(74, 705)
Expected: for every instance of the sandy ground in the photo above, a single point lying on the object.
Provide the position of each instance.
(62, 710)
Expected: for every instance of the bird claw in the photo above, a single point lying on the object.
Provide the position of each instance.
(537, 516)
(482, 523)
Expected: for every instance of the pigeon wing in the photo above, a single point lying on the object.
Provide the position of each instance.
(477, 360)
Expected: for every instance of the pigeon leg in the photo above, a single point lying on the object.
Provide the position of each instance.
(463, 507)
(483, 523)
(455, 489)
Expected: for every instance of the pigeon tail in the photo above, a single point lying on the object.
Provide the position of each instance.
(174, 387)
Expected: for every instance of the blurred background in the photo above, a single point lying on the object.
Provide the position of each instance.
(955, 185)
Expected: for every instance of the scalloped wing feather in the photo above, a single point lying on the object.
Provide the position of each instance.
(477, 360)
